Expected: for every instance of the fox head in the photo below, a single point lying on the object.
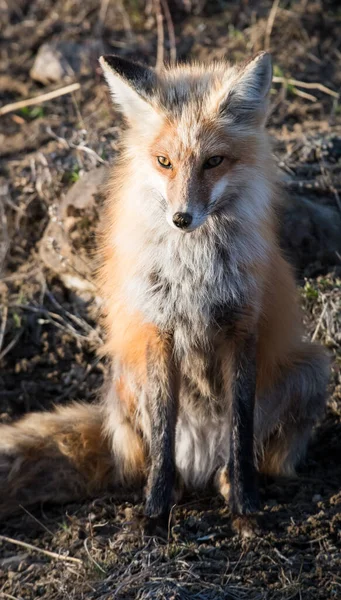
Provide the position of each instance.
(195, 139)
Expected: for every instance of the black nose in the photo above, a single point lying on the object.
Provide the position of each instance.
(182, 220)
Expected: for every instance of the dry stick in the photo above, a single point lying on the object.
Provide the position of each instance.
(38, 99)
(270, 23)
(3, 324)
(314, 86)
(53, 318)
(11, 344)
(287, 560)
(170, 523)
(319, 323)
(92, 558)
(160, 36)
(4, 238)
(304, 95)
(36, 520)
(4, 538)
(171, 33)
(306, 85)
(4, 595)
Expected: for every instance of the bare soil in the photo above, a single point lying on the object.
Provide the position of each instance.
(48, 330)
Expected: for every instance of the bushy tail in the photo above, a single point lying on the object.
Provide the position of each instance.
(58, 457)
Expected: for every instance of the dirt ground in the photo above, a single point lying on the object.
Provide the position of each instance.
(48, 331)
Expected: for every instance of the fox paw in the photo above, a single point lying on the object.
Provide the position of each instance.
(246, 526)
(157, 527)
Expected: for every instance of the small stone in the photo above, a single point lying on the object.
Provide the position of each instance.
(50, 66)
(317, 498)
(61, 61)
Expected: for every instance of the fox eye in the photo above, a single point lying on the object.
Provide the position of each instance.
(164, 162)
(212, 162)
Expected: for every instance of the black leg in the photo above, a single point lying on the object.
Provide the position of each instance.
(244, 498)
(162, 404)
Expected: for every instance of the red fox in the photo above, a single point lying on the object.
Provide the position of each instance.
(210, 380)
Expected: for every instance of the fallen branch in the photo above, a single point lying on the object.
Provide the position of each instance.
(38, 99)
(4, 538)
(304, 95)
(306, 85)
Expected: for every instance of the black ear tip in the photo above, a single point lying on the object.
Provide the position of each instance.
(263, 62)
(109, 60)
(128, 69)
(264, 57)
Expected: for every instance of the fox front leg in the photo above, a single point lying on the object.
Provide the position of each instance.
(241, 471)
(162, 401)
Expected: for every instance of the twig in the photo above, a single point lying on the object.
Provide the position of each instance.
(133, 578)
(3, 324)
(304, 95)
(4, 595)
(314, 86)
(4, 538)
(81, 146)
(319, 323)
(287, 560)
(306, 85)
(58, 321)
(270, 23)
(79, 321)
(171, 33)
(4, 237)
(36, 520)
(38, 99)
(160, 35)
(11, 344)
(92, 558)
(170, 522)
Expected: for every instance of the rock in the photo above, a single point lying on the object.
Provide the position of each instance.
(68, 241)
(50, 66)
(62, 61)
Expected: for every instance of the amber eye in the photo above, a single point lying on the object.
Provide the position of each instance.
(212, 162)
(164, 162)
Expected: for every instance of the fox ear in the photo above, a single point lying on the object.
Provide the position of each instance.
(247, 98)
(131, 86)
